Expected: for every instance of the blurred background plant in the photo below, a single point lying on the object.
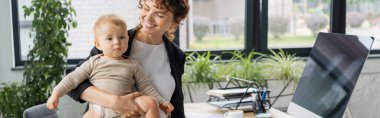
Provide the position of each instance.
(373, 18)
(278, 25)
(354, 19)
(201, 27)
(236, 27)
(316, 22)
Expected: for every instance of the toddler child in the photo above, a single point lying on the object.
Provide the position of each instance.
(112, 72)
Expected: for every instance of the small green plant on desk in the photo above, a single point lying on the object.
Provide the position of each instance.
(283, 66)
(200, 68)
(247, 66)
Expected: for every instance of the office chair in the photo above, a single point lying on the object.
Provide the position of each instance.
(40, 111)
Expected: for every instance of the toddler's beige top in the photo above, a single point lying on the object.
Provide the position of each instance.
(119, 77)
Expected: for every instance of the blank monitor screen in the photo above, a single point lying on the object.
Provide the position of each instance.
(330, 75)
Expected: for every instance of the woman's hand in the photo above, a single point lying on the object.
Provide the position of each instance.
(52, 102)
(126, 106)
(167, 107)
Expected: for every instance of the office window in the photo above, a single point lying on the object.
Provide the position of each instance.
(295, 23)
(25, 27)
(214, 25)
(363, 18)
(81, 38)
(222, 25)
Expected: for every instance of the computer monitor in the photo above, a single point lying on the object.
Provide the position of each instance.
(329, 76)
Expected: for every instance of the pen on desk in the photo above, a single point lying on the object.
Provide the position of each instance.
(263, 94)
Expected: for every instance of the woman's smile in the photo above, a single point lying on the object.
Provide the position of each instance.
(148, 25)
(117, 49)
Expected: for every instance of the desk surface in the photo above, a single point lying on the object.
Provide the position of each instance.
(203, 108)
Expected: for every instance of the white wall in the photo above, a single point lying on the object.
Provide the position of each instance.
(364, 102)
(6, 44)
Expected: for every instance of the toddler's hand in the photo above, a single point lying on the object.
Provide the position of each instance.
(167, 107)
(52, 102)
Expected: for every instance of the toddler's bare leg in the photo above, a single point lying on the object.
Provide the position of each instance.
(149, 105)
(91, 113)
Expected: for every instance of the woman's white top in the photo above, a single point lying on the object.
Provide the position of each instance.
(155, 63)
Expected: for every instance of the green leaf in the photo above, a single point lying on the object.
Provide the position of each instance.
(74, 24)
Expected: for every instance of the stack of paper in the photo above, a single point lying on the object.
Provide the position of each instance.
(230, 92)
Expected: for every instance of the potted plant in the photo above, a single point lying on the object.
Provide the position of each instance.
(201, 68)
(45, 65)
(247, 66)
(283, 66)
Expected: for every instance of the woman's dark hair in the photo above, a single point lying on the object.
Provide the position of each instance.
(179, 8)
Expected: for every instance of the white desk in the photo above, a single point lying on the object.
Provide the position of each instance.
(203, 109)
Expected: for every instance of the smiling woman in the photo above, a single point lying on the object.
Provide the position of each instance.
(161, 14)
(150, 43)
